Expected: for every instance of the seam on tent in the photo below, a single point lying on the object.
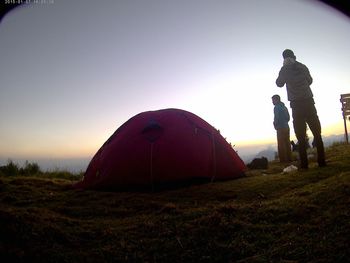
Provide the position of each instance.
(151, 167)
(214, 157)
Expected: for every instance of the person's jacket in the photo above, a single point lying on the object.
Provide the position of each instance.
(297, 78)
(281, 116)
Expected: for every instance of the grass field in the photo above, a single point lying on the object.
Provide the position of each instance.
(265, 217)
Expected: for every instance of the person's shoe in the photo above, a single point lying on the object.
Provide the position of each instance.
(322, 164)
(303, 168)
(303, 165)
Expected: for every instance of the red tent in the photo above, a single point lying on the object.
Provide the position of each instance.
(163, 147)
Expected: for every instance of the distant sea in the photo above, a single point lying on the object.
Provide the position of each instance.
(78, 165)
(269, 151)
(72, 165)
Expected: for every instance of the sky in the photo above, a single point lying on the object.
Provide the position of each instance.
(73, 71)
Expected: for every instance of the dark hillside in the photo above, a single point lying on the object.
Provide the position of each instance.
(265, 217)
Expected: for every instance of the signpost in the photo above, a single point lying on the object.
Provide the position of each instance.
(345, 101)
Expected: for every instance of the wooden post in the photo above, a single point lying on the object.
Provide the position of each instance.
(346, 130)
(345, 101)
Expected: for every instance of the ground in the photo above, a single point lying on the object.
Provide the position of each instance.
(266, 216)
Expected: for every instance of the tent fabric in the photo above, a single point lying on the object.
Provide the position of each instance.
(162, 147)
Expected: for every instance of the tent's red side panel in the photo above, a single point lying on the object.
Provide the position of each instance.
(162, 147)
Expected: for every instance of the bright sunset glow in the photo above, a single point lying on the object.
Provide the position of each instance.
(72, 72)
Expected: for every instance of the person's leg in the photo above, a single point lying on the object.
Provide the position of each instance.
(315, 127)
(300, 132)
(280, 145)
(287, 146)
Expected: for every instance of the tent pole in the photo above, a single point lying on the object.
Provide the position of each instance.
(214, 158)
(151, 167)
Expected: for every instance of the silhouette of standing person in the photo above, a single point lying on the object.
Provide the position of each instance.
(297, 78)
(280, 122)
